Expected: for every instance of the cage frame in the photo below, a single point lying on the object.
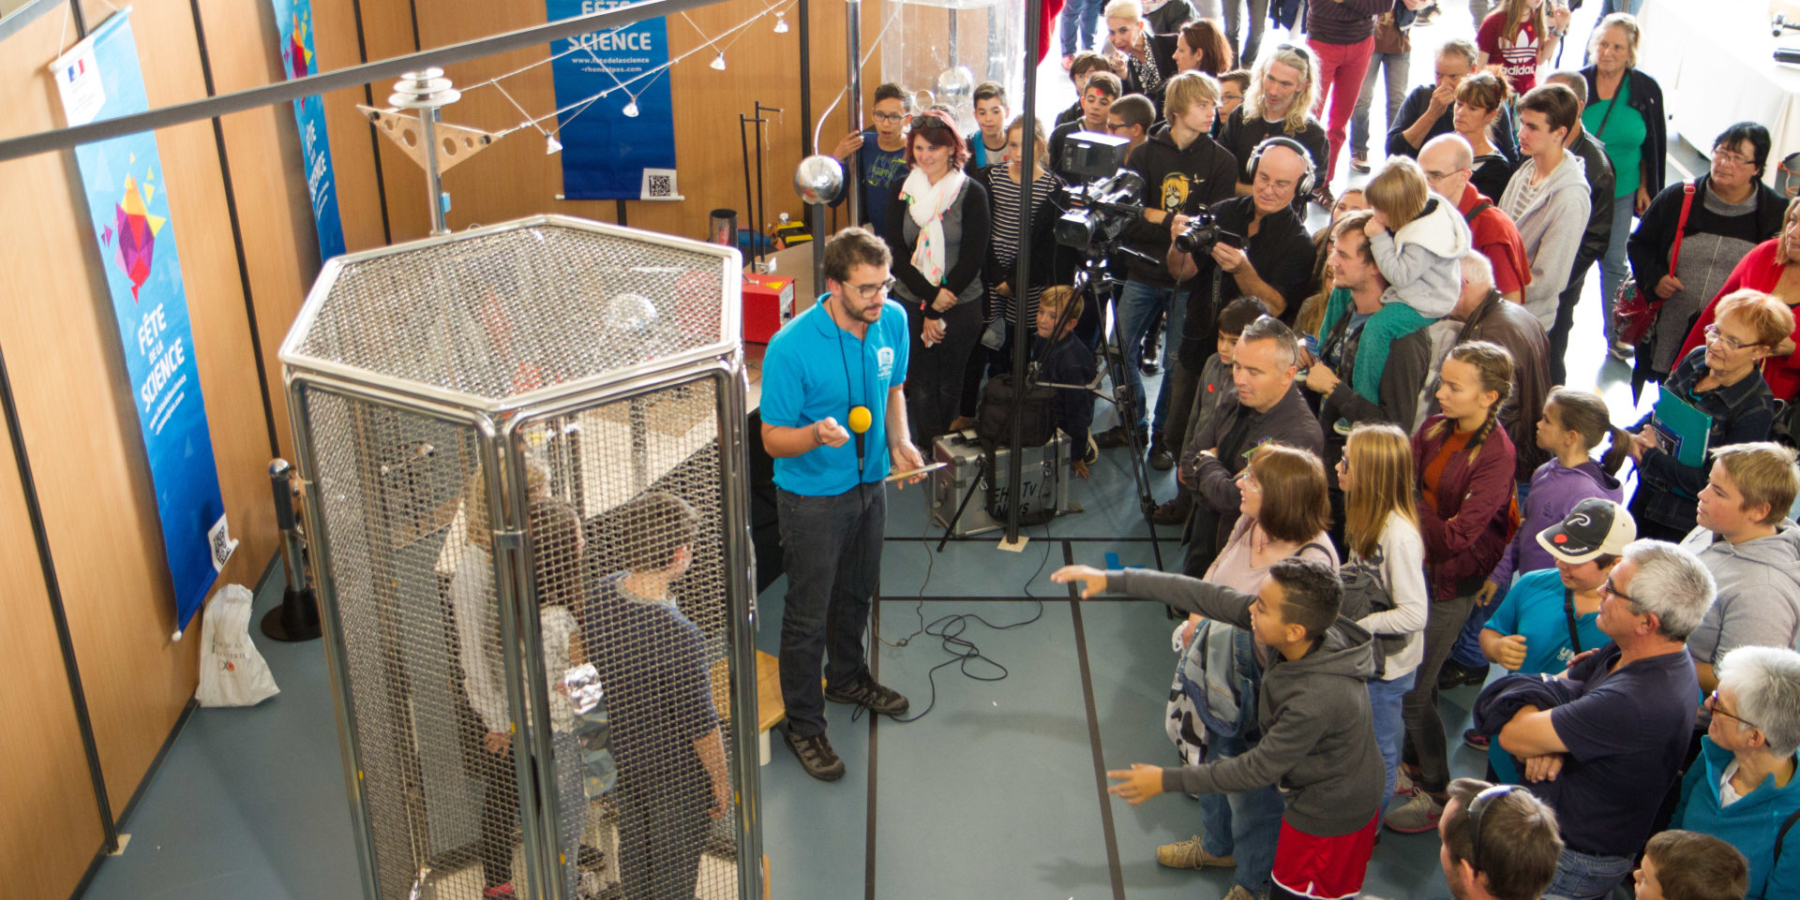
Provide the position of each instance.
(499, 426)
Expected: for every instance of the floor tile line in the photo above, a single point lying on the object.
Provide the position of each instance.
(1093, 722)
(869, 834)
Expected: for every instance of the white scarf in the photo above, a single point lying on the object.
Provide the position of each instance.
(927, 202)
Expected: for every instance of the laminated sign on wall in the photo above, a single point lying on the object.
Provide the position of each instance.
(620, 146)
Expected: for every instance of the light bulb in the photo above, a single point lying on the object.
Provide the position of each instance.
(551, 144)
(781, 25)
(719, 61)
(631, 109)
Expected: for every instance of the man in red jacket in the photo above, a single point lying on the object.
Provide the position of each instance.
(1448, 160)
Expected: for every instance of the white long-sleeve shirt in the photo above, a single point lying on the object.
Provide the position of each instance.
(1403, 566)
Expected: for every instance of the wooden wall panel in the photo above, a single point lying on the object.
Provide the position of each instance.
(516, 178)
(50, 828)
(76, 410)
(352, 151)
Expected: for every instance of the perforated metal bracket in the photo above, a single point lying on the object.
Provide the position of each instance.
(459, 142)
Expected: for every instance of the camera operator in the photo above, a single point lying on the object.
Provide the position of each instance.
(1261, 244)
(1183, 170)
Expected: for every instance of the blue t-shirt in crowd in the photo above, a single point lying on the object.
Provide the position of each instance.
(652, 665)
(815, 370)
(879, 173)
(1627, 732)
(1534, 608)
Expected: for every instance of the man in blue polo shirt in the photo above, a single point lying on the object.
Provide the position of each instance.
(833, 417)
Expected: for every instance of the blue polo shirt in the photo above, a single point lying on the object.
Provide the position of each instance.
(814, 370)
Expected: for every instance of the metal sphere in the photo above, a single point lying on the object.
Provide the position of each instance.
(956, 86)
(819, 179)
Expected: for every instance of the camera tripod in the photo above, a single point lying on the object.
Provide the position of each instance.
(1097, 284)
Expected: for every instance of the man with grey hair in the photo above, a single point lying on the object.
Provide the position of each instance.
(1741, 788)
(1429, 110)
(1612, 733)
(1448, 161)
(1262, 405)
(1601, 180)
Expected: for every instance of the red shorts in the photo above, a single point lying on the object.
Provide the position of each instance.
(1324, 868)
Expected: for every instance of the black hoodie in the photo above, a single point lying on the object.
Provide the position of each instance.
(1180, 181)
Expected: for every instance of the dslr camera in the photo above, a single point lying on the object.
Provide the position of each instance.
(1202, 232)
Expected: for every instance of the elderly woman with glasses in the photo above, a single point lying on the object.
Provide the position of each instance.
(1722, 381)
(1729, 213)
(1742, 788)
(1771, 268)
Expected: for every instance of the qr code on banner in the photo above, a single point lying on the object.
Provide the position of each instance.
(659, 184)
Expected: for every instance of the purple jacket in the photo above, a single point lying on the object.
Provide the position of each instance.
(1555, 489)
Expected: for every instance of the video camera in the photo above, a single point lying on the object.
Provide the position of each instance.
(1103, 197)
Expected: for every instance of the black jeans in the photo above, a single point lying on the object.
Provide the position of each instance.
(662, 831)
(831, 548)
(1424, 725)
(934, 375)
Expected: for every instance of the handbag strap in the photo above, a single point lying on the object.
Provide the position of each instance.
(1687, 204)
(1569, 615)
(1476, 210)
(1611, 105)
(1782, 836)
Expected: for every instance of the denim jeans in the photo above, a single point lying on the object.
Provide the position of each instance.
(1585, 876)
(1424, 725)
(1341, 71)
(1234, 22)
(662, 832)
(1243, 825)
(571, 804)
(1385, 702)
(1080, 18)
(831, 548)
(1479, 9)
(1399, 69)
(1139, 305)
(1614, 267)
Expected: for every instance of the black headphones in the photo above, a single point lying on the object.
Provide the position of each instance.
(1477, 807)
(1305, 186)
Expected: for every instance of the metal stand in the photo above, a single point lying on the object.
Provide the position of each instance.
(297, 618)
(1094, 281)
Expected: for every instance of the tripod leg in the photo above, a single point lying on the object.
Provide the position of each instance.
(1126, 404)
(980, 468)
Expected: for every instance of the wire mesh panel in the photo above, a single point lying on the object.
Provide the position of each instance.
(521, 444)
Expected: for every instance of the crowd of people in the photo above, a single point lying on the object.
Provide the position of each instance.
(1385, 487)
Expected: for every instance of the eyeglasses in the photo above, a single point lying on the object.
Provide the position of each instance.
(1728, 342)
(1440, 176)
(890, 117)
(1116, 126)
(1606, 587)
(871, 291)
(1712, 702)
(1731, 159)
(1247, 483)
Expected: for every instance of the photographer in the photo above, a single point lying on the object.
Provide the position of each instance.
(1183, 169)
(1260, 243)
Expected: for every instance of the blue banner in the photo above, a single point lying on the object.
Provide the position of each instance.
(293, 19)
(621, 146)
(123, 180)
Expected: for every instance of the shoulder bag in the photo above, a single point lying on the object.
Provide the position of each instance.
(1636, 308)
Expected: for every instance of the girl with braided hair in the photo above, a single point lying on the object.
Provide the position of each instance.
(1467, 512)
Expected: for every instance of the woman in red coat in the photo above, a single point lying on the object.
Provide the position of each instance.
(1464, 462)
(1770, 268)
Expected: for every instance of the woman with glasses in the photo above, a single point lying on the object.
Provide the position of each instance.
(937, 230)
(1770, 268)
(1742, 789)
(1625, 114)
(1722, 381)
(1729, 213)
(1285, 513)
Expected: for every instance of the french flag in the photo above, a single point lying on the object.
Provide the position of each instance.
(77, 69)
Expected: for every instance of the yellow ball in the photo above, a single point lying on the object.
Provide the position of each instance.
(860, 420)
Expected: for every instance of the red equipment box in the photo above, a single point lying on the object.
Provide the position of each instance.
(768, 304)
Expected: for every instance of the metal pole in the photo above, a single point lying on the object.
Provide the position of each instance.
(1022, 280)
(749, 204)
(762, 211)
(434, 186)
(815, 215)
(853, 101)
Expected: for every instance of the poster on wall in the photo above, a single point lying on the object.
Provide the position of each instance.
(135, 230)
(621, 146)
(293, 22)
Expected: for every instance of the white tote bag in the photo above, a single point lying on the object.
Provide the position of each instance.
(232, 672)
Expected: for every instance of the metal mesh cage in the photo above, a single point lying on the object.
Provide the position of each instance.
(532, 560)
